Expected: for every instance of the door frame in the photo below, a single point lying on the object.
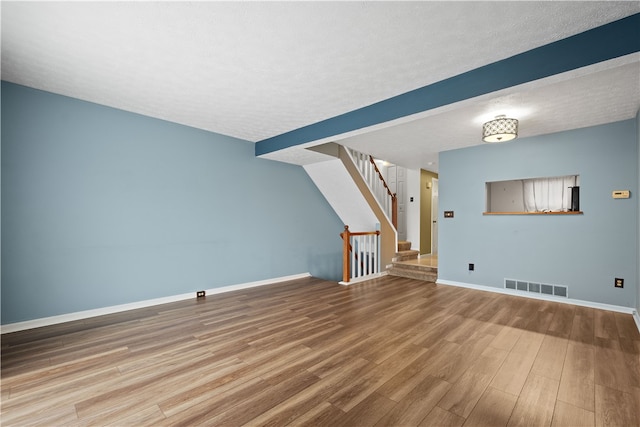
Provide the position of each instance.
(434, 216)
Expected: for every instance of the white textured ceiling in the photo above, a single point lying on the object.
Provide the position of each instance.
(585, 97)
(258, 69)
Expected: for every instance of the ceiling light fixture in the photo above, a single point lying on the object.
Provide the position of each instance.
(500, 129)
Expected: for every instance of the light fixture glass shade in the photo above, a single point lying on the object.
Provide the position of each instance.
(501, 129)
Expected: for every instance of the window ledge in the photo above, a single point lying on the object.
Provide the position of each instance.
(534, 213)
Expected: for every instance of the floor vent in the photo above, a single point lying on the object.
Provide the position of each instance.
(537, 288)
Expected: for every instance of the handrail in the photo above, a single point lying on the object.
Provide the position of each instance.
(362, 233)
(348, 253)
(394, 199)
(384, 183)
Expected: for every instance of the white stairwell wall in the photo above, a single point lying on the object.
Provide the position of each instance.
(337, 186)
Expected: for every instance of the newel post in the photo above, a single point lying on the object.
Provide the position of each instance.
(394, 211)
(345, 253)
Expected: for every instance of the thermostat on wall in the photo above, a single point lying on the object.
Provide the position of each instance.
(621, 194)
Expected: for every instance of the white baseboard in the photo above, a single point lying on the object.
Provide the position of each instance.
(364, 278)
(590, 304)
(79, 315)
(636, 317)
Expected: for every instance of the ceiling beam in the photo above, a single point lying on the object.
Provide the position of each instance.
(609, 41)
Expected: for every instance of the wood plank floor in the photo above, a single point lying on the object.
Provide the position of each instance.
(389, 352)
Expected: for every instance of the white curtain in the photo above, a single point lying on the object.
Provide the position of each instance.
(548, 194)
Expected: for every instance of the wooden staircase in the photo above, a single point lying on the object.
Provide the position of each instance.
(407, 264)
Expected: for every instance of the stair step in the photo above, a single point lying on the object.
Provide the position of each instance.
(404, 246)
(406, 255)
(414, 271)
(415, 266)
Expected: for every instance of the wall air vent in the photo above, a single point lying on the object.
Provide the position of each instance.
(537, 288)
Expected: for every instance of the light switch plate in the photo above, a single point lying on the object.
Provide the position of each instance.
(621, 194)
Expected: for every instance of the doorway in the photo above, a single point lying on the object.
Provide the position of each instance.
(396, 178)
(428, 213)
(434, 216)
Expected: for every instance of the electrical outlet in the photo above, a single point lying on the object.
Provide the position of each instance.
(619, 283)
(200, 294)
(472, 267)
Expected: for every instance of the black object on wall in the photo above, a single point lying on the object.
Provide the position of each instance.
(575, 199)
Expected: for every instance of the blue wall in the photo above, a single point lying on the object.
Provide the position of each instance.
(585, 252)
(638, 215)
(103, 207)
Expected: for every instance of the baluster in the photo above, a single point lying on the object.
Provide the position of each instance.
(365, 170)
(357, 256)
(378, 253)
(374, 174)
(370, 254)
(354, 260)
(384, 202)
(367, 267)
(364, 255)
(374, 252)
(361, 272)
(354, 257)
(367, 167)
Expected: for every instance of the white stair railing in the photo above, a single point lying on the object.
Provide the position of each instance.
(374, 179)
(361, 254)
